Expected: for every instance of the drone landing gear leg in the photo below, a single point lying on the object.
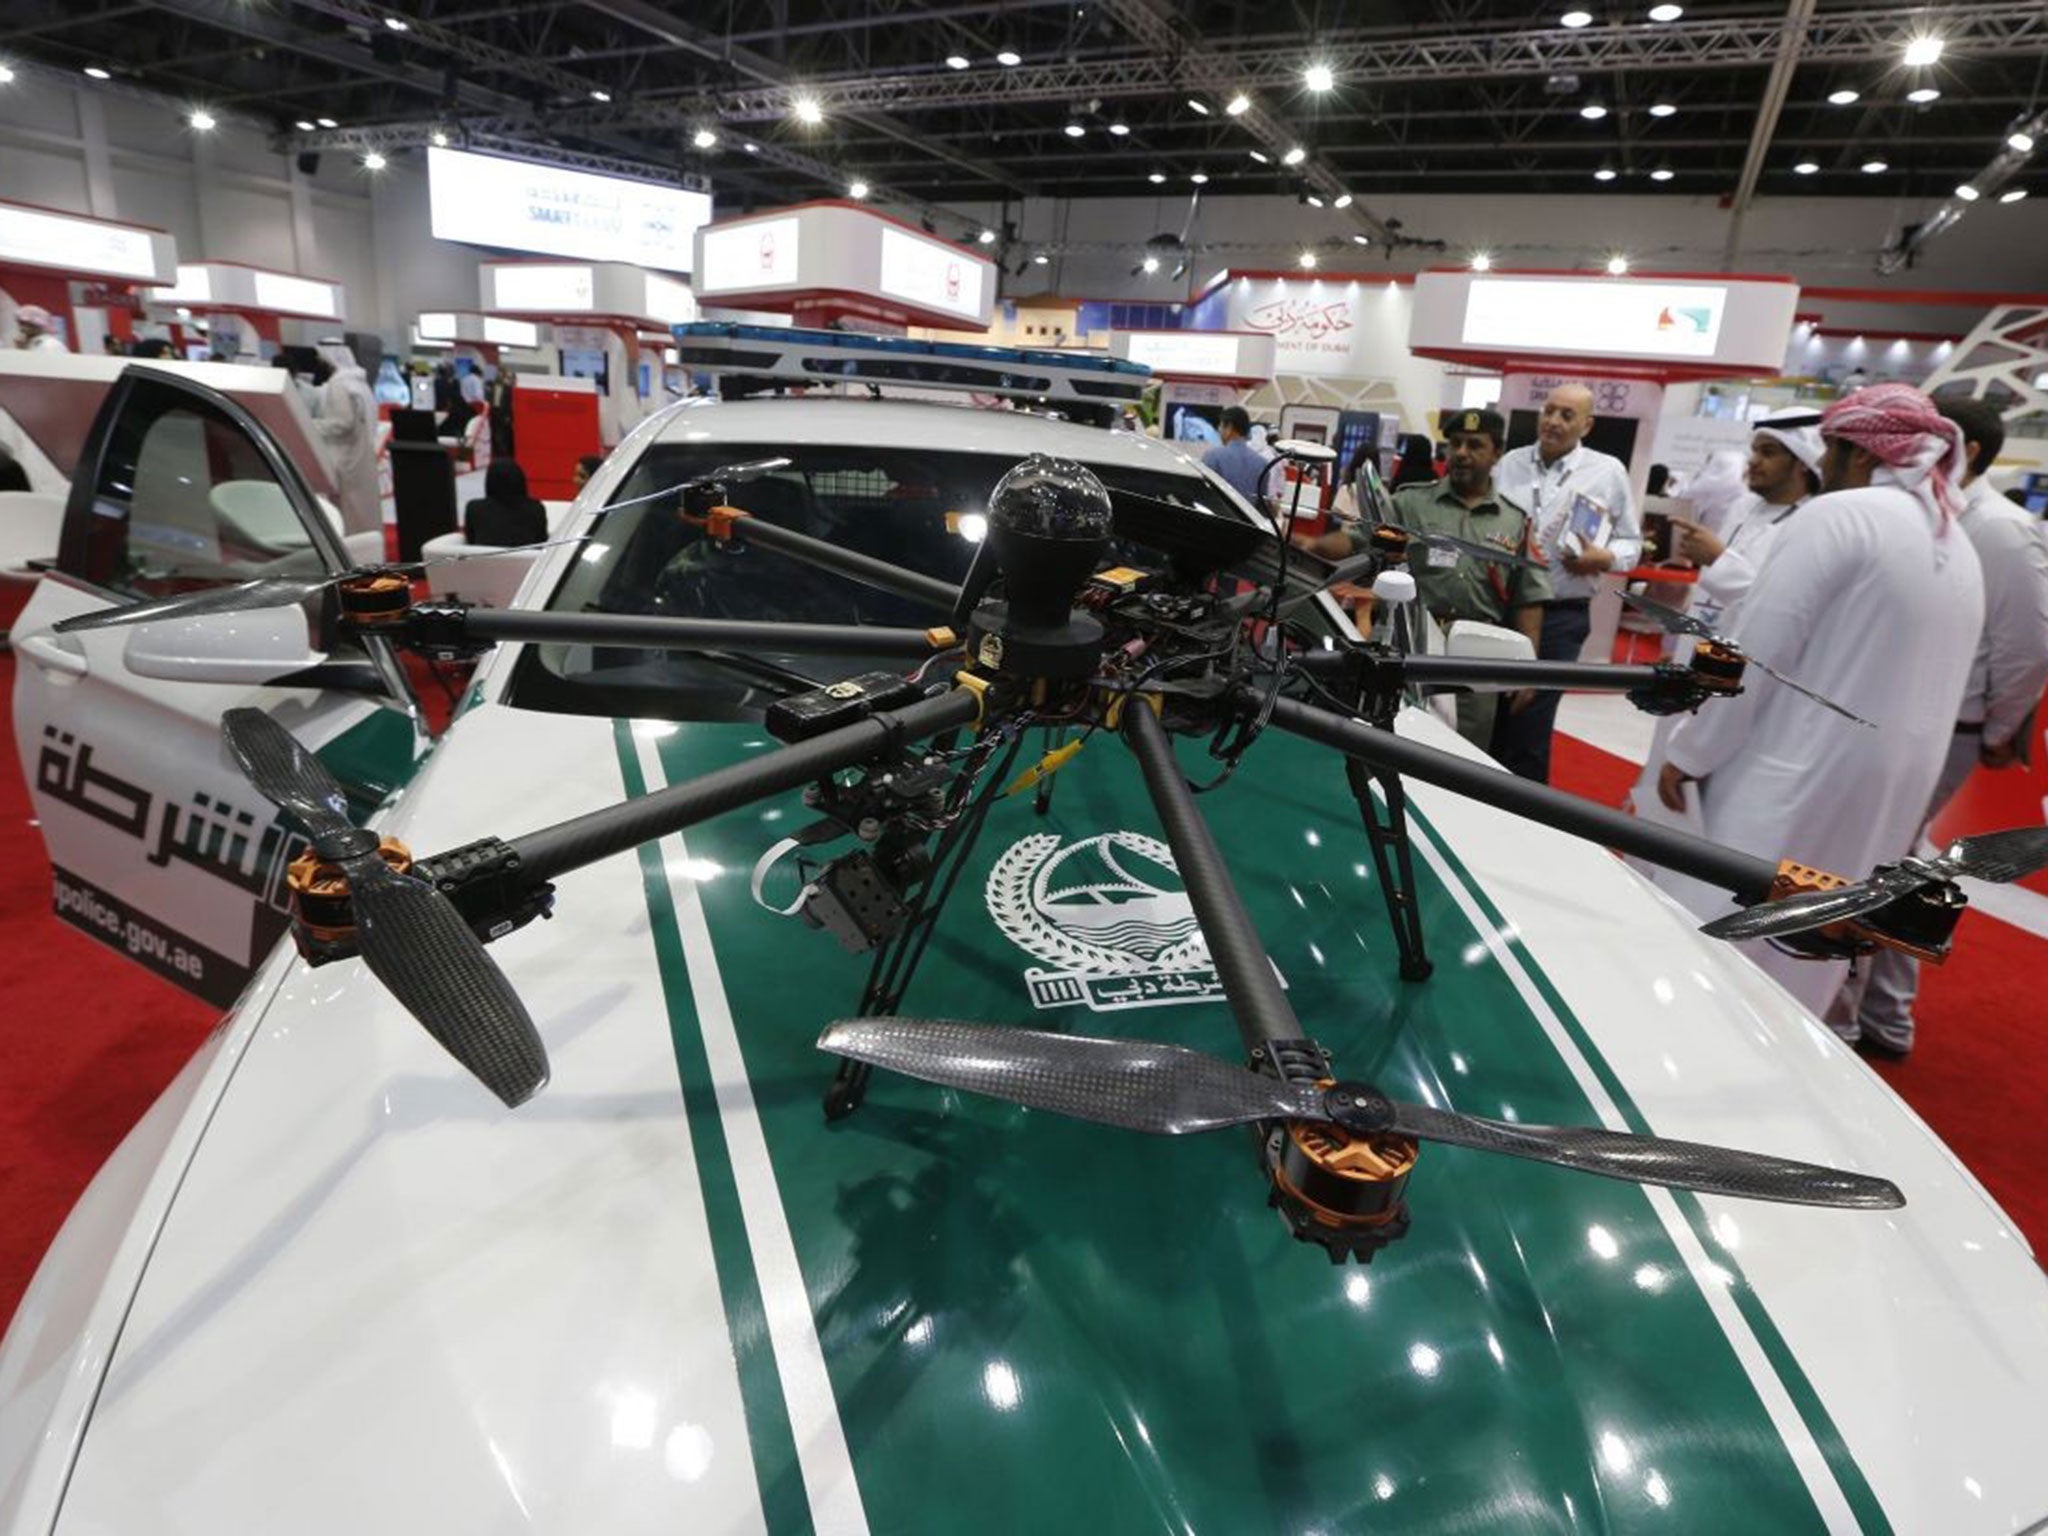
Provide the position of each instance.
(897, 960)
(1386, 829)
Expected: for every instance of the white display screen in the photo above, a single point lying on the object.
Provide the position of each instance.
(194, 286)
(759, 254)
(1600, 318)
(519, 206)
(1184, 352)
(930, 275)
(37, 239)
(296, 295)
(549, 289)
(511, 333)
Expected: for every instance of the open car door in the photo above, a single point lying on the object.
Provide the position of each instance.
(159, 847)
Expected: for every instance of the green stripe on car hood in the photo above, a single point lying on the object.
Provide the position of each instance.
(1083, 1329)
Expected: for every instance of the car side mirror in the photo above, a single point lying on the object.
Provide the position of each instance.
(1475, 641)
(252, 647)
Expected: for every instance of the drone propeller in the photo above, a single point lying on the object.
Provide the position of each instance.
(1674, 622)
(2001, 857)
(1169, 1090)
(1486, 552)
(272, 591)
(409, 934)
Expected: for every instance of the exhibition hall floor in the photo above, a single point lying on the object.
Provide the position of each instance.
(88, 1040)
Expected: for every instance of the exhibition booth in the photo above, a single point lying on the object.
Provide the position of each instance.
(245, 307)
(84, 271)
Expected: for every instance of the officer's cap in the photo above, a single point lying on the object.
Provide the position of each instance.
(1485, 421)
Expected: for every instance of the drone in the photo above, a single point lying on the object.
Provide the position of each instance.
(1048, 632)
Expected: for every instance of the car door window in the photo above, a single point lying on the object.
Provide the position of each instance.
(182, 497)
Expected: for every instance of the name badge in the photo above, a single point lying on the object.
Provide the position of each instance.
(1441, 558)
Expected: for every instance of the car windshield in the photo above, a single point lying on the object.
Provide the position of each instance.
(916, 508)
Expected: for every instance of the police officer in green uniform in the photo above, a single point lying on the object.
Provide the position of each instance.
(1452, 585)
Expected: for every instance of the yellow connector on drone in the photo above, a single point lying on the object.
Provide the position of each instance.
(1045, 767)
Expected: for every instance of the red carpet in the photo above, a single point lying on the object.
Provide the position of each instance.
(87, 1040)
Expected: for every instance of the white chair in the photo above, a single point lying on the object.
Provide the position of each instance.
(493, 582)
(30, 525)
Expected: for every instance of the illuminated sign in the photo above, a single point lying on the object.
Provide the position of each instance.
(511, 333)
(550, 289)
(1181, 353)
(1614, 319)
(759, 254)
(295, 295)
(668, 300)
(437, 326)
(519, 206)
(30, 237)
(929, 274)
(194, 286)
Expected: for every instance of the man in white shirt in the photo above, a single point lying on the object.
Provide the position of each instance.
(1995, 720)
(1553, 478)
(1873, 597)
(1782, 473)
(36, 330)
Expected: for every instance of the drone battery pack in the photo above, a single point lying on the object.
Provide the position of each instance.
(804, 715)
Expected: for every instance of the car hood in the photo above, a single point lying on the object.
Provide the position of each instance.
(665, 1295)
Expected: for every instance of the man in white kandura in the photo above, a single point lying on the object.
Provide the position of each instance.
(1782, 474)
(348, 424)
(1873, 597)
(1875, 1005)
(1585, 518)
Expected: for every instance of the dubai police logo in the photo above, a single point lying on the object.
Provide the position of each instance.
(1106, 918)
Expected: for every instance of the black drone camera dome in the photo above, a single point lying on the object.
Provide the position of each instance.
(1049, 520)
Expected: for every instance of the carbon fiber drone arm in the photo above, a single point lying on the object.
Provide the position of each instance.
(457, 626)
(552, 851)
(867, 570)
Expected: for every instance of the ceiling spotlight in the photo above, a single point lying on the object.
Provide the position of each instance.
(1150, 264)
(6, 75)
(1922, 95)
(1040, 259)
(97, 73)
(1922, 51)
(1075, 130)
(1805, 168)
(1009, 58)
(1874, 167)
(808, 112)
(373, 161)
(1238, 105)
(1617, 266)
(957, 61)
(1575, 19)
(2014, 196)
(1260, 156)
(1313, 200)
(1308, 261)
(703, 138)
(857, 190)
(1319, 77)
(1199, 108)
(1119, 130)
(1200, 178)
(398, 23)
(326, 122)
(1592, 111)
(438, 138)
(1481, 262)
(303, 126)
(1343, 200)
(600, 95)
(1156, 178)
(1968, 193)
(1294, 156)
(1843, 97)
(202, 121)
(1662, 109)
(752, 149)
(1666, 12)
(1662, 173)
(2023, 142)
(1361, 240)
(987, 237)
(1605, 173)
